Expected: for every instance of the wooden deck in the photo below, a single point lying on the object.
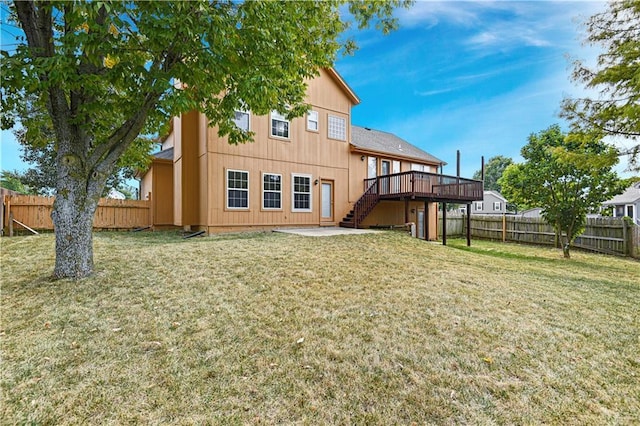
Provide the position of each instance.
(426, 186)
(413, 185)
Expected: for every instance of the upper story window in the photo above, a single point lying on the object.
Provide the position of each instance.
(237, 189)
(479, 205)
(241, 120)
(337, 128)
(313, 121)
(372, 167)
(301, 189)
(497, 206)
(271, 191)
(279, 125)
(418, 167)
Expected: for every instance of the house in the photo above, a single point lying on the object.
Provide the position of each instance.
(532, 212)
(627, 203)
(316, 170)
(492, 203)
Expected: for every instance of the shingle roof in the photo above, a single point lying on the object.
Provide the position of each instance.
(388, 143)
(630, 196)
(167, 154)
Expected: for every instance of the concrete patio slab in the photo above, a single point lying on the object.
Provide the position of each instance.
(325, 231)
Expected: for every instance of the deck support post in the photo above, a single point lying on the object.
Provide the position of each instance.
(406, 210)
(426, 221)
(468, 225)
(444, 224)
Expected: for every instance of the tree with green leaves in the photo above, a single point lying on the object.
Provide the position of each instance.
(106, 72)
(493, 172)
(14, 180)
(567, 175)
(615, 109)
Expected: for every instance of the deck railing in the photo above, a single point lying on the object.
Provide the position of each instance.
(426, 185)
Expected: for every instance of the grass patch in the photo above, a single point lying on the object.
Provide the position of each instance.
(274, 328)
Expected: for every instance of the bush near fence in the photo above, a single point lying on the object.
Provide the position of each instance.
(603, 234)
(35, 212)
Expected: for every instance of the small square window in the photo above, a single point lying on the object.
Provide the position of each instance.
(337, 128)
(279, 125)
(312, 121)
(479, 205)
(497, 206)
(241, 120)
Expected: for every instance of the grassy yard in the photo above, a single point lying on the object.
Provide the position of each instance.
(363, 329)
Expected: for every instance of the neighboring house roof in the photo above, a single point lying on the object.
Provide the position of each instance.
(383, 142)
(167, 154)
(496, 194)
(533, 212)
(630, 196)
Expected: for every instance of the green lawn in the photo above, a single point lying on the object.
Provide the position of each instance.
(362, 329)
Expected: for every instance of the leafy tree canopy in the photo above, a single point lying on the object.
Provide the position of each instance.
(106, 72)
(14, 180)
(566, 175)
(616, 110)
(493, 172)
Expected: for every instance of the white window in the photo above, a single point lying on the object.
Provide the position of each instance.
(372, 167)
(271, 191)
(418, 167)
(337, 128)
(312, 121)
(301, 193)
(241, 120)
(279, 125)
(237, 189)
(479, 205)
(497, 206)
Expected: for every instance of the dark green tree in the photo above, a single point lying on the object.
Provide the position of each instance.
(14, 180)
(493, 170)
(106, 72)
(615, 109)
(567, 175)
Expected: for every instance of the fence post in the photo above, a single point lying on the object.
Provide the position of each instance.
(504, 227)
(11, 224)
(625, 237)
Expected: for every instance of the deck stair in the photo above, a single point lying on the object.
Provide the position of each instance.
(362, 207)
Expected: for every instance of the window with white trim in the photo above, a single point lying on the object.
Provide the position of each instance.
(237, 189)
(241, 120)
(418, 167)
(337, 128)
(313, 121)
(301, 193)
(279, 125)
(479, 205)
(497, 206)
(271, 191)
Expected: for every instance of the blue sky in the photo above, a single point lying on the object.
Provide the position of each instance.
(475, 76)
(478, 77)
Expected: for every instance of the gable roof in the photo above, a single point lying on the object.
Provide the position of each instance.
(343, 85)
(495, 194)
(378, 141)
(166, 154)
(630, 196)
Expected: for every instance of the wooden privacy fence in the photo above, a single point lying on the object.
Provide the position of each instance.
(603, 234)
(35, 212)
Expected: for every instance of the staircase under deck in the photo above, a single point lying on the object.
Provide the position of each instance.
(413, 185)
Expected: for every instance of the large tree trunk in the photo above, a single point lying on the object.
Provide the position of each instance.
(566, 242)
(73, 223)
(77, 195)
